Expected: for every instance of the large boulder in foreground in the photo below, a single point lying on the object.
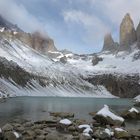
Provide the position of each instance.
(105, 116)
(127, 33)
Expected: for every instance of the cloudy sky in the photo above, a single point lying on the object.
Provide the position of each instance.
(76, 25)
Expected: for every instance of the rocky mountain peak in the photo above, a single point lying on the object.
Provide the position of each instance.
(127, 33)
(138, 34)
(7, 25)
(42, 42)
(36, 40)
(109, 44)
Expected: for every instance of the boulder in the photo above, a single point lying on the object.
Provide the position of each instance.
(96, 60)
(7, 127)
(11, 136)
(137, 104)
(105, 116)
(121, 133)
(63, 125)
(127, 33)
(56, 136)
(133, 113)
(100, 133)
(85, 137)
(62, 114)
(134, 133)
(63, 59)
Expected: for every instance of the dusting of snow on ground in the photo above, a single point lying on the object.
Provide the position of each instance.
(133, 110)
(112, 63)
(65, 122)
(107, 113)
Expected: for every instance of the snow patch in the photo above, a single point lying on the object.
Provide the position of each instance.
(65, 122)
(109, 132)
(120, 129)
(107, 113)
(133, 110)
(16, 134)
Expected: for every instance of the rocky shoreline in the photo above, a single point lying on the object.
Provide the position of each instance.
(106, 125)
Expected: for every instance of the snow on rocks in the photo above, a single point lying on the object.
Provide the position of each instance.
(86, 129)
(109, 132)
(121, 133)
(132, 113)
(133, 110)
(102, 133)
(105, 116)
(119, 129)
(137, 101)
(16, 134)
(65, 122)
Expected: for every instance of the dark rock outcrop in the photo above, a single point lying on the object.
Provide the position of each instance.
(96, 60)
(42, 43)
(123, 86)
(63, 59)
(127, 33)
(109, 44)
(9, 69)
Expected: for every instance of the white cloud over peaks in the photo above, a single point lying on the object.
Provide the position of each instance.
(93, 25)
(18, 14)
(115, 10)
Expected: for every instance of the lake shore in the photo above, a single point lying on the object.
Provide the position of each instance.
(104, 124)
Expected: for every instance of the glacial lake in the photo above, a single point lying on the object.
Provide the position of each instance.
(38, 108)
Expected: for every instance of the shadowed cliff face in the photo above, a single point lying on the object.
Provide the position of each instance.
(42, 43)
(36, 40)
(122, 86)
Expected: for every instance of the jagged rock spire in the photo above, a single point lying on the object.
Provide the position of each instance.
(109, 44)
(127, 33)
(138, 35)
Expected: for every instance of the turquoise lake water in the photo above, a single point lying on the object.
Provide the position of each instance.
(37, 108)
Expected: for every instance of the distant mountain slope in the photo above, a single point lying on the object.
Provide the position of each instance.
(7, 25)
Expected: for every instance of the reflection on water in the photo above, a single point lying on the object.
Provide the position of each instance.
(36, 108)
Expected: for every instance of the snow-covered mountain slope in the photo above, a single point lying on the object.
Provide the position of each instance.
(119, 63)
(111, 63)
(58, 79)
(31, 65)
